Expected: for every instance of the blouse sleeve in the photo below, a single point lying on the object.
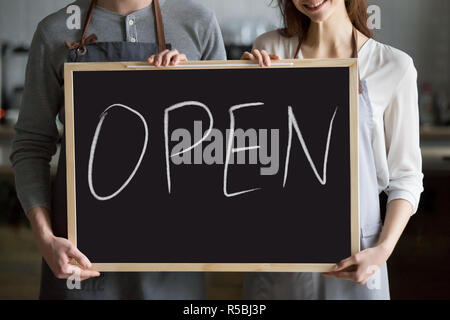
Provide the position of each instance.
(269, 42)
(402, 137)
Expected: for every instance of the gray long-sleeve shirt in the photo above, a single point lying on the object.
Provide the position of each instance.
(189, 27)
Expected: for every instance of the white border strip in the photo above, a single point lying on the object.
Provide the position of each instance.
(209, 65)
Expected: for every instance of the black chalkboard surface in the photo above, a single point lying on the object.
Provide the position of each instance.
(214, 166)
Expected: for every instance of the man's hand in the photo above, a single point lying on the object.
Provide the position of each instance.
(58, 252)
(166, 58)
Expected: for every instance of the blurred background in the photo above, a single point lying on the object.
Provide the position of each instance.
(418, 269)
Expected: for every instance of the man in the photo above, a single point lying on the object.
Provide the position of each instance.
(164, 32)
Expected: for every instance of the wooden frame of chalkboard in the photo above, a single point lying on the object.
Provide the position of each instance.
(350, 64)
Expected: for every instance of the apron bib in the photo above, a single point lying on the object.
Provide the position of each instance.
(309, 285)
(112, 285)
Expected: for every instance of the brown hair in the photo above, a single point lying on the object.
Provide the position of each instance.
(296, 23)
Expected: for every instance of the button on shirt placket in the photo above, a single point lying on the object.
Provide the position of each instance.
(130, 22)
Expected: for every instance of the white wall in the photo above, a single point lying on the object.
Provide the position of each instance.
(242, 21)
(420, 28)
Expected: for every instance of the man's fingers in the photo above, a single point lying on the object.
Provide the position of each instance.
(73, 269)
(178, 58)
(159, 57)
(86, 274)
(82, 260)
(168, 56)
(79, 273)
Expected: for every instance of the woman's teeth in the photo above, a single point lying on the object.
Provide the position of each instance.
(315, 5)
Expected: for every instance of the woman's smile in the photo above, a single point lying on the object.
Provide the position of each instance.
(314, 5)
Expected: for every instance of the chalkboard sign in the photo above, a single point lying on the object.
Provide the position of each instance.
(213, 166)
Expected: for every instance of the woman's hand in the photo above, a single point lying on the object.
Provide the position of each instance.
(360, 266)
(264, 59)
(58, 252)
(166, 58)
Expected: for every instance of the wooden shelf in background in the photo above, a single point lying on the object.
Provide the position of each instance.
(435, 132)
(7, 132)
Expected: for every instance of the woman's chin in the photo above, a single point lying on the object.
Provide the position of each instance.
(318, 14)
(321, 17)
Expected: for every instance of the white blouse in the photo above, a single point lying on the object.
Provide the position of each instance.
(391, 79)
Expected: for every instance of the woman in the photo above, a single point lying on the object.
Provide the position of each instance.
(389, 151)
(114, 30)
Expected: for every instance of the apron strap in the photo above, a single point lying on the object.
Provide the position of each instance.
(81, 45)
(87, 23)
(354, 52)
(355, 55)
(159, 24)
(159, 27)
(300, 41)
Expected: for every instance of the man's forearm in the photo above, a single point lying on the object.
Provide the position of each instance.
(39, 218)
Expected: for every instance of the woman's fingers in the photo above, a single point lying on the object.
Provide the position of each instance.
(151, 59)
(350, 269)
(344, 264)
(357, 276)
(274, 56)
(247, 56)
(257, 54)
(265, 58)
(360, 266)
(341, 275)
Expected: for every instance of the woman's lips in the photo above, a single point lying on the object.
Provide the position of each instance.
(315, 6)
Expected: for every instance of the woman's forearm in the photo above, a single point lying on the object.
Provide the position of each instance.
(398, 213)
(397, 216)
